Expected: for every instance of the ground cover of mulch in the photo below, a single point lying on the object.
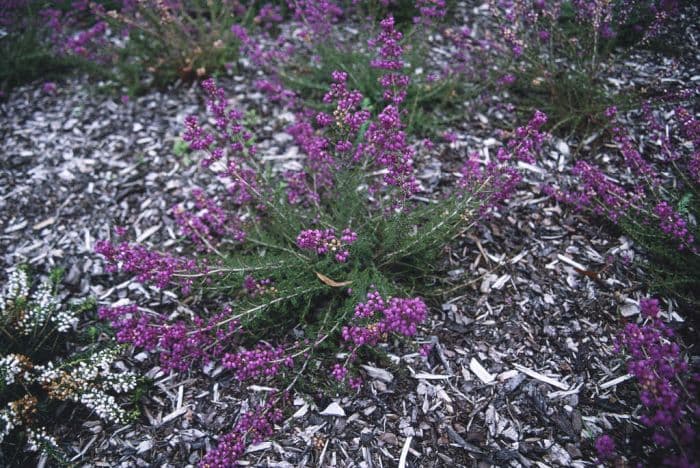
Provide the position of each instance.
(522, 371)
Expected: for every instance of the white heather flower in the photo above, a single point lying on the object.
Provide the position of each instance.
(39, 440)
(122, 382)
(91, 380)
(104, 405)
(65, 320)
(43, 304)
(17, 287)
(46, 373)
(10, 367)
(8, 421)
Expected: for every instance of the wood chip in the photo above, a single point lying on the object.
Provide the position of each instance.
(615, 381)
(379, 374)
(542, 378)
(44, 223)
(334, 409)
(427, 376)
(479, 370)
(404, 452)
(569, 261)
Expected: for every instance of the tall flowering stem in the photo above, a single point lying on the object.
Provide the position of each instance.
(646, 203)
(668, 388)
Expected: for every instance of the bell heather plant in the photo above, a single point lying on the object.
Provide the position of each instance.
(432, 85)
(34, 322)
(293, 265)
(668, 389)
(554, 55)
(658, 202)
(153, 42)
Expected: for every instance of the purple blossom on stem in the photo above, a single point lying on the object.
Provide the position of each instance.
(263, 361)
(320, 164)
(148, 266)
(49, 87)
(323, 241)
(255, 288)
(430, 11)
(317, 15)
(347, 114)
(208, 222)
(131, 326)
(672, 224)
(387, 144)
(397, 315)
(230, 142)
(634, 160)
(691, 130)
(181, 345)
(502, 175)
(605, 446)
(339, 372)
(253, 427)
(390, 58)
(667, 389)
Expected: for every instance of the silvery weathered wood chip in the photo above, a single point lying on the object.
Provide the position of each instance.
(377, 373)
(333, 409)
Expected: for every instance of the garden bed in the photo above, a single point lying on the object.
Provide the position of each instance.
(518, 364)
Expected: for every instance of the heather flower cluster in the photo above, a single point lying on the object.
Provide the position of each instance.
(168, 40)
(258, 287)
(324, 241)
(605, 446)
(252, 427)
(149, 266)
(209, 223)
(396, 315)
(181, 344)
(691, 131)
(372, 322)
(317, 16)
(264, 361)
(502, 174)
(347, 115)
(430, 11)
(667, 388)
(90, 381)
(29, 312)
(645, 202)
(35, 322)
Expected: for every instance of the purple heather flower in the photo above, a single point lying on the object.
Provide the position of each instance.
(507, 80)
(49, 87)
(667, 390)
(148, 266)
(396, 315)
(339, 372)
(605, 446)
(323, 241)
(253, 427)
(263, 361)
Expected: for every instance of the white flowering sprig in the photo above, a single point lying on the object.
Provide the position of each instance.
(32, 316)
(25, 314)
(11, 366)
(90, 381)
(16, 289)
(39, 441)
(8, 421)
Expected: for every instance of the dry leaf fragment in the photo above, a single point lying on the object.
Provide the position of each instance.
(333, 284)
